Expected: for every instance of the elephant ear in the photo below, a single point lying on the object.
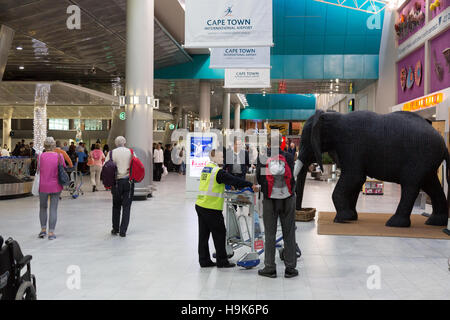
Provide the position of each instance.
(316, 132)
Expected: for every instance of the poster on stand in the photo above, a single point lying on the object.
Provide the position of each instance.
(228, 23)
(247, 78)
(238, 58)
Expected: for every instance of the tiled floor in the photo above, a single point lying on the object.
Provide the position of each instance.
(158, 258)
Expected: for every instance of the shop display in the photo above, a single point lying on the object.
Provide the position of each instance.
(409, 23)
(373, 187)
(399, 147)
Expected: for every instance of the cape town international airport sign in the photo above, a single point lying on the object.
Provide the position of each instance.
(227, 58)
(247, 78)
(228, 23)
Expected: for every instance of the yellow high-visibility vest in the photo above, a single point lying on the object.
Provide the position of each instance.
(210, 192)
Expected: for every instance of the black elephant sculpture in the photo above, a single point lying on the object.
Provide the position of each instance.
(399, 147)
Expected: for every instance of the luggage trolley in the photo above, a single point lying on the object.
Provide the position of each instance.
(76, 182)
(234, 235)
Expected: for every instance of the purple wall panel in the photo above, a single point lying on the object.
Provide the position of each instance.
(410, 61)
(439, 44)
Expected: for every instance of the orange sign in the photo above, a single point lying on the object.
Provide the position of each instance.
(424, 102)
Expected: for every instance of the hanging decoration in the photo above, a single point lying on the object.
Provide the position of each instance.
(40, 116)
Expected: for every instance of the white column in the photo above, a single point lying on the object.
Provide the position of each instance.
(237, 116)
(205, 102)
(226, 111)
(7, 116)
(139, 77)
(426, 76)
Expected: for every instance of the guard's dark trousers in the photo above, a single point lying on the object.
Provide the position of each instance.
(122, 194)
(211, 221)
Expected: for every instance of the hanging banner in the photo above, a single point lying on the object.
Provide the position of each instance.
(229, 58)
(247, 78)
(228, 23)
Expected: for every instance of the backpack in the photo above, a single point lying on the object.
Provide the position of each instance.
(109, 172)
(137, 170)
(275, 166)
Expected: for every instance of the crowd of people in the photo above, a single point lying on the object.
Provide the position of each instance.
(229, 166)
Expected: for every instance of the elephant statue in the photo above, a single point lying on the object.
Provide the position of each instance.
(399, 147)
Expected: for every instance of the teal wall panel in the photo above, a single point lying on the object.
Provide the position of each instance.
(286, 67)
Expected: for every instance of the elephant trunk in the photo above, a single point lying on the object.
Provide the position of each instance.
(301, 171)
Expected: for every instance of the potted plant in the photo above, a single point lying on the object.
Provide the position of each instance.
(328, 163)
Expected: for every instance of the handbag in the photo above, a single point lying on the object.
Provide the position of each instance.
(165, 172)
(35, 188)
(63, 177)
(90, 161)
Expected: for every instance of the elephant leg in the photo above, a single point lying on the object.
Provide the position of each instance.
(345, 196)
(433, 188)
(401, 218)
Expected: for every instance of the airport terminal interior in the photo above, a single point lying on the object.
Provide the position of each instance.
(327, 120)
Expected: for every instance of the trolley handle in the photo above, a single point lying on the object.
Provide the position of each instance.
(245, 189)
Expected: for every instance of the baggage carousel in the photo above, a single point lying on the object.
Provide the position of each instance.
(15, 178)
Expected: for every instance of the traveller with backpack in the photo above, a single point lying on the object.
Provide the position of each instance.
(120, 171)
(277, 182)
(95, 162)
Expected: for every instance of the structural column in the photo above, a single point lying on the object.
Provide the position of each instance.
(7, 116)
(237, 116)
(226, 111)
(205, 102)
(139, 86)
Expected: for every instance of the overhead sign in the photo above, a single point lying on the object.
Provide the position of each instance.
(430, 30)
(423, 103)
(228, 23)
(247, 78)
(229, 58)
(123, 115)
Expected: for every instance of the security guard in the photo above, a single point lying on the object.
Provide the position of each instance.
(209, 206)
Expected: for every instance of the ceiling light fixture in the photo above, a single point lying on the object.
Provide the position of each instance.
(19, 48)
(337, 80)
(264, 93)
(21, 67)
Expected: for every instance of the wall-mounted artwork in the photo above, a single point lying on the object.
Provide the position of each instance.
(440, 62)
(410, 70)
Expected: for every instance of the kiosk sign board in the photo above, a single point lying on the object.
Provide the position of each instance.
(198, 147)
(229, 58)
(247, 78)
(228, 23)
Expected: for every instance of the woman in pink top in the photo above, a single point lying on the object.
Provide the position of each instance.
(97, 158)
(49, 187)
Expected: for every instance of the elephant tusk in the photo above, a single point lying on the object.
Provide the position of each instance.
(297, 167)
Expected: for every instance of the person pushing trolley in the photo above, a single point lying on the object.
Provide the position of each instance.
(209, 206)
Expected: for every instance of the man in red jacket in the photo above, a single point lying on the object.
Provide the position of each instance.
(278, 186)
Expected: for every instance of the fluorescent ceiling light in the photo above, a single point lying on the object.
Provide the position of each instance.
(21, 67)
(19, 48)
